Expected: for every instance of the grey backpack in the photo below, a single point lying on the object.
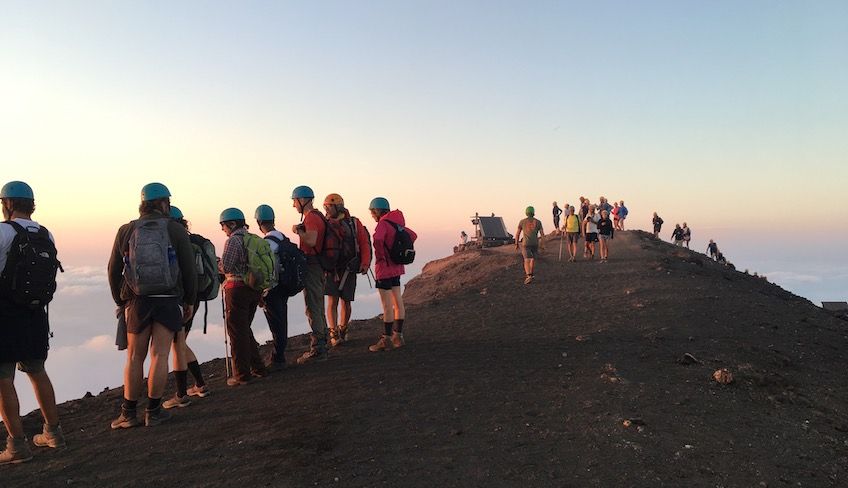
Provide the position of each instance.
(150, 261)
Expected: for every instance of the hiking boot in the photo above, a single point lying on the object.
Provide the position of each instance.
(397, 340)
(198, 391)
(312, 355)
(17, 451)
(384, 344)
(127, 420)
(49, 438)
(343, 332)
(156, 416)
(177, 402)
(235, 381)
(335, 338)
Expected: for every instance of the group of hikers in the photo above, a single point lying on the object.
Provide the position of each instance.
(159, 272)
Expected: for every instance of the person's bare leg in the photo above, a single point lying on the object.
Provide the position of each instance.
(137, 345)
(10, 409)
(344, 320)
(397, 303)
(46, 396)
(160, 346)
(387, 303)
(332, 313)
(180, 350)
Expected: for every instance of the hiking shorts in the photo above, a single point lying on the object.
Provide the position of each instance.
(29, 366)
(529, 252)
(591, 237)
(141, 312)
(347, 292)
(604, 237)
(573, 236)
(388, 283)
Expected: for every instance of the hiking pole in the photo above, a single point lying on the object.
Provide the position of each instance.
(369, 278)
(226, 341)
(560, 247)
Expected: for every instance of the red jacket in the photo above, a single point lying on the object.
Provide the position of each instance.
(384, 236)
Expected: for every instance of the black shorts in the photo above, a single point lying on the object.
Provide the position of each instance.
(141, 312)
(188, 324)
(591, 237)
(348, 291)
(388, 283)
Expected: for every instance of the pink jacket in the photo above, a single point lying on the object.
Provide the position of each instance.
(384, 236)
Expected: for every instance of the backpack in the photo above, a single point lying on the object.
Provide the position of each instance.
(150, 261)
(402, 250)
(29, 278)
(261, 272)
(206, 263)
(331, 247)
(292, 266)
(350, 256)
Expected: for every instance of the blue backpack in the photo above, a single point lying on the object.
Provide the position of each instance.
(291, 277)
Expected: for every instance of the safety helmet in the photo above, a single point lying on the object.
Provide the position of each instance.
(302, 191)
(176, 213)
(530, 211)
(16, 189)
(231, 214)
(264, 213)
(154, 191)
(334, 199)
(379, 203)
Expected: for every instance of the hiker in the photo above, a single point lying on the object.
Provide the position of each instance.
(355, 258)
(712, 248)
(677, 235)
(241, 297)
(605, 234)
(24, 327)
(275, 303)
(687, 234)
(572, 232)
(557, 212)
(392, 243)
(531, 227)
(311, 232)
(604, 205)
(584, 208)
(622, 214)
(155, 304)
(658, 222)
(463, 239)
(590, 225)
(616, 216)
(184, 358)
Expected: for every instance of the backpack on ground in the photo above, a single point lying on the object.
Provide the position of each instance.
(261, 272)
(206, 264)
(150, 261)
(292, 266)
(402, 250)
(29, 278)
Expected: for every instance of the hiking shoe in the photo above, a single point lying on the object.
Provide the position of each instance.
(384, 344)
(343, 333)
(177, 401)
(49, 438)
(397, 340)
(198, 391)
(17, 451)
(335, 338)
(235, 381)
(127, 420)
(156, 416)
(312, 355)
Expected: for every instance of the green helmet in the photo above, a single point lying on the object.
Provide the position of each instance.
(379, 203)
(231, 214)
(176, 213)
(16, 189)
(264, 213)
(303, 191)
(530, 211)
(154, 191)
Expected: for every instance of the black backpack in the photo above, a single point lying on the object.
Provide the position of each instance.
(402, 250)
(29, 278)
(291, 278)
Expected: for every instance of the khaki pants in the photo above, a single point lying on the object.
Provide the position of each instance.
(313, 295)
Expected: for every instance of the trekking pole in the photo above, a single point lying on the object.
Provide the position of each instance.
(226, 341)
(560, 247)
(369, 278)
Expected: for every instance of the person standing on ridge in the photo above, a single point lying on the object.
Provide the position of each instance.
(677, 235)
(590, 224)
(156, 304)
(388, 272)
(572, 232)
(605, 234)
(622, 214)
(604, 205)
(687, 234)
(616, 217)
(712, 248)
(311, 232)
(24, 329)
(531, 227)
(275, 303)
(658, 222)
(557, 212)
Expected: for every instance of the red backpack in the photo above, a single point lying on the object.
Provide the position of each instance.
(330, 250)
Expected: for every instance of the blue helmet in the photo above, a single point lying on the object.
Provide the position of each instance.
(264, 213)
(154, 191)
(379, 203)
(16, 189)
(231, 214)
(303, 191)
(176, 213)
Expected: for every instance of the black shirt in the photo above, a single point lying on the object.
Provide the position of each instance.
(605, 227)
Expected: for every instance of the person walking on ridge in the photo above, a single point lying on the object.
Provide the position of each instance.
(605, 234)
(557, 212)
(622, 214)
(677, 235)
(590, 224)
(531, 227)
(657, 221)
(687, 234)
(712, 248)
(24, 329)
(572, 233)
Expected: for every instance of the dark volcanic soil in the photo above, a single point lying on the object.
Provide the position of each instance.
(574, 380)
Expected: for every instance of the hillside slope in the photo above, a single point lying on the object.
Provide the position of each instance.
(574, 380)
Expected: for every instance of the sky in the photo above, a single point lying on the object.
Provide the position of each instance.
(731, 116)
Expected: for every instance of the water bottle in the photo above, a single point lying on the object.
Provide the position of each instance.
(172, 256)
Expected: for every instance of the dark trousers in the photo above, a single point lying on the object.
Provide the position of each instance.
(241, 307)
(276, 312)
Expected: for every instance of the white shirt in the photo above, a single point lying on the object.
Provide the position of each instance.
(7, 235)
(279, 235)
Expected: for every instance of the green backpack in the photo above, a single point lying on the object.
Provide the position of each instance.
(261, 269)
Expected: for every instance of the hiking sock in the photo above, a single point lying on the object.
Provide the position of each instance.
(398, 326)
(129, 405)
(182, 382)
(387, 326)
(194, 367)
(153, 403)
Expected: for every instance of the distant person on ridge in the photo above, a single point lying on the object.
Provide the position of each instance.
(531, 227)
(605, 234)
(557, 212)
(463, 238)
(275, 303)
(590, 225)
(622, 214)
(156, 304)
(677, 235)
(712, 248)
(388, 272)
(24, 327)
(658, 222)
(572, 232)
(687, 234)
(604, 205)
(616, 216)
